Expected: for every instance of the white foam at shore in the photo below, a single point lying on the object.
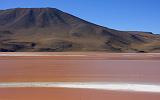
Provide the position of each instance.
(87, 85)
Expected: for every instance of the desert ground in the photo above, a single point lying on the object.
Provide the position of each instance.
(137, 68)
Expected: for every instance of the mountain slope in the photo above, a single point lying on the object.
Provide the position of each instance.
(49, 29)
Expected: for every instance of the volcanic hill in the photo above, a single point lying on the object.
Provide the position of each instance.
(52, 30)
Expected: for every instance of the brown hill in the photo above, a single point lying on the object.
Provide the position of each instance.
(49, 29)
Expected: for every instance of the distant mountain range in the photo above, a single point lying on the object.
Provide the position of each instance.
(52, 30)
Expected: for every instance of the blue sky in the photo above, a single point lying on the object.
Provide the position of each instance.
(140, 15)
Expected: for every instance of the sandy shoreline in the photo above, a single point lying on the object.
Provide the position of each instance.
(71, 94)
(80, 55)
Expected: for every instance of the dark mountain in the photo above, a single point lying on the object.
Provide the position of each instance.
(49, 29)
